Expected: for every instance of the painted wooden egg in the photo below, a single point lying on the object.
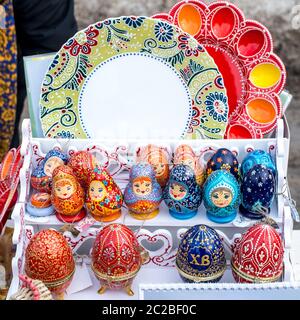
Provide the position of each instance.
(158, 157)
(257, 157)
(258, 256)
(182, 194)
(67, 195)
(142, 194)
(258, 190)
(201, 255)
(221, 196)
(104, 198)
(82, 163)
(223, 159)
(41, 177)
(49, 258)
(116, 257)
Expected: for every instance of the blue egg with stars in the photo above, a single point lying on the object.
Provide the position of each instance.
(201, 255)
(257, 157)
(258, 190)
(182, 193)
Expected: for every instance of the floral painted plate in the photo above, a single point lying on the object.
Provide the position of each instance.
(243, 51)
(133, 77)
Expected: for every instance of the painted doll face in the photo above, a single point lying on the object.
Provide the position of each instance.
(142, 187)
(177, 191)
(159, 168)
(221, 197)
(97, 190)
(51, 164)
(188, 161)
(64, 189)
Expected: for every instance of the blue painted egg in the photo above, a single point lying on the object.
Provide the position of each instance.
(223, 159)
(201, 255)
(182, 194)
(221, 196)
(258, 190)
(257, 157)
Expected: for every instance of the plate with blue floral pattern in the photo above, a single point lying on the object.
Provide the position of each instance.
(133, 77)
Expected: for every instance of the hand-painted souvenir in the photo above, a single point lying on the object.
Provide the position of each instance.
(143, 194)
(184, 154)
(221, 196)
(223, 159)
(258, 256)
(201, 256)
(116, 257)
(258, 190)
(82, 163)
(182, 194)
(67, 195)
(41, 177)
(40, 205)
(257, 157)
(104, 198)
(159, 159)
(48, 258)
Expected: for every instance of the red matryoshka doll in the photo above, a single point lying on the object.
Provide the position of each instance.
(159, 159)
(184, 154)
(82, 163)
(67, 195)
(104, 198)
(117, 257)
(41, 177)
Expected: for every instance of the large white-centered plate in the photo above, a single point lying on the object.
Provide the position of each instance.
(133, 77)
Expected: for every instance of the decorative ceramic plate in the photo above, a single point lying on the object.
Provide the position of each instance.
(133, 77)
(243, 50)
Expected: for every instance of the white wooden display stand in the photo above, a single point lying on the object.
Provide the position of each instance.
(160, 235)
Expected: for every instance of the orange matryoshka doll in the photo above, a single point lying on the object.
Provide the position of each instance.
(67, 195)
(184, 154)
(159, 159)
(104, 198)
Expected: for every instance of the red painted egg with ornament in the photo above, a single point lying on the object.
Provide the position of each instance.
(116, 257)
(82, 163)
(67, 195)
(258, 256)
(49, 258)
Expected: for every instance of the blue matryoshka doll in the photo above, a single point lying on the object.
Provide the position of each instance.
(143, 194)
(257, 157)
(182, 194)
(258, 190)
(221, 195)
(42, 175)
(201, 255)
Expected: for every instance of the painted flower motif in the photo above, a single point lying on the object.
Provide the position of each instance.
(65, 135)
(82, 42)
(134, 22)
(99, 25)
(185, 45)
(217, 106)
(163, 31)
(109, 254)
(8, 115)
(126, 253)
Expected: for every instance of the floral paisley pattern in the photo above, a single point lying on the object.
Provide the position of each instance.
(8, 75)
(79, 57)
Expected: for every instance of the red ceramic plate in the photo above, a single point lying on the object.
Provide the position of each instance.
(243, 50)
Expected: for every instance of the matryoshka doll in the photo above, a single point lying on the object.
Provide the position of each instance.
(201, 255)
(223, 159)
(221, 196)
(258, 190)
(82, 163)
(184, 154)
(116, 257)
(104, 198)
(41, 177)
(182, 194)
(143, 194)
(67, 195)
(159, 159)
